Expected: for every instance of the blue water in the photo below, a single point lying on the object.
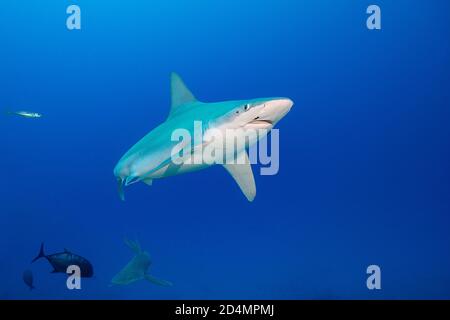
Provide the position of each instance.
(364, 171)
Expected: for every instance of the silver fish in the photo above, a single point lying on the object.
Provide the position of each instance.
(25, 114)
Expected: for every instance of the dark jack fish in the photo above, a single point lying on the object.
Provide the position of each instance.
(62, 260)
(28, 279)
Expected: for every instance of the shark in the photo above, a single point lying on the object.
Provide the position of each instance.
(137, 268)
(152, 156)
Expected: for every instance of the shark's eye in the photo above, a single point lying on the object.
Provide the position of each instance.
(246, 107)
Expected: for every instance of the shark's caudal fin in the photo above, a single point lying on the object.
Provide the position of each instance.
(157, 281)
(180, 93)
(120, 189)
(241, 171)
(41, 253)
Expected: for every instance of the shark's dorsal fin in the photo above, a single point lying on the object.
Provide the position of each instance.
(242, 173)
(133, 245)
(180, 93)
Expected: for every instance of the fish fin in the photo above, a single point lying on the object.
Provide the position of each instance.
(133, 245)
(41, 253)
(148, 181)
(138, 245)
(180, 93)
(157, 281)
(241, 171)
(120, 189)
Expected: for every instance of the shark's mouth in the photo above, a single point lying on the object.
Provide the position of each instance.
(260, 123)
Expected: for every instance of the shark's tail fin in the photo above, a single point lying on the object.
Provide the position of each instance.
(157, 281)
(120, 187)
(41, 253)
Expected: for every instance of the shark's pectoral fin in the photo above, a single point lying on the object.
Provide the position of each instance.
(241, 171)
(157, 281)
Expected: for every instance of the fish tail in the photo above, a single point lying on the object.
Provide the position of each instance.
(120, 189)
(41, 253)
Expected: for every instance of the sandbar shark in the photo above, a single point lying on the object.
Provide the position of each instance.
(152, 156)
(137, 268)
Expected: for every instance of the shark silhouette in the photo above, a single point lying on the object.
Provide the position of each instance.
(137, 268)
(152, 157)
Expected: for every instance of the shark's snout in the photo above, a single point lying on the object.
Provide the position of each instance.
(278, 108)
(271, 112)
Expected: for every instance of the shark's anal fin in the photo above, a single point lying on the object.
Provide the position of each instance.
(180, 93)
(157, 281)
(241, 171)
(148, 181)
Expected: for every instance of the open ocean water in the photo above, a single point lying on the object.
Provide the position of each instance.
(364, 153)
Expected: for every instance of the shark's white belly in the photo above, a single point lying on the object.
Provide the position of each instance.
(172, 170)
(205, 156)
